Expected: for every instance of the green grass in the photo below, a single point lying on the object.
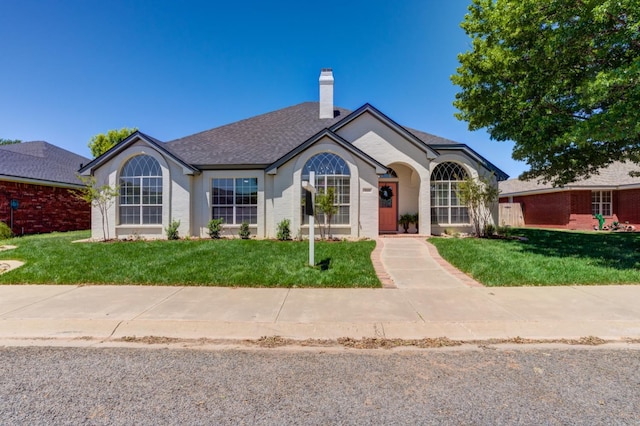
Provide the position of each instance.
(548, 257)
(54, 259)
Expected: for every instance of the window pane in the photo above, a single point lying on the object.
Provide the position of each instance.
(129, 215)
(247, 214)
(151, 215)
(222, 192)
(225, 213)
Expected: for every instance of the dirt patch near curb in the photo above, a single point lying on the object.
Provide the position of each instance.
(367, 342)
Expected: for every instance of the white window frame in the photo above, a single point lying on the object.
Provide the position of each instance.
(449, 202)
(144, 183)
(235, 206)
(342, 186)
(599, 205)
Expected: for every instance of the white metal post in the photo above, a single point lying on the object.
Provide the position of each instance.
(312, 222)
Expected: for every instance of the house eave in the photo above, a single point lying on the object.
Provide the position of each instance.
(43, 182)
(88, 169)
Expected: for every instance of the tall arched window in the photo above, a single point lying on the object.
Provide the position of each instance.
(141, 191)
(331, 172)
(445, 206)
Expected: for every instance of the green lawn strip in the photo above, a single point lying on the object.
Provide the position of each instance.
(54, 259)
(547, 257)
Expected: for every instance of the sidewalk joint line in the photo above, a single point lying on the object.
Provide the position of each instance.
(41, 300)
(113, 332)
(286, 296)
(156, 304)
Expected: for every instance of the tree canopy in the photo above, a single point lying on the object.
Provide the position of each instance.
(103, 142)
(559, 78)
(9, 141)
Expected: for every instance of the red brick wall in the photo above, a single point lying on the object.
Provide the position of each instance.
(42, 209)
(572, 210)
(552, 209)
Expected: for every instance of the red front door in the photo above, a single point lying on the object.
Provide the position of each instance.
(388, 207)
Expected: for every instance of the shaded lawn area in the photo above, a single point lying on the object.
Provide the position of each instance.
(54, 259)
(548, 257)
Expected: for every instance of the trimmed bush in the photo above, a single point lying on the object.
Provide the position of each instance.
(244, 231)
(172, 230)
(284, 232)
(5, 231)
(215, 228)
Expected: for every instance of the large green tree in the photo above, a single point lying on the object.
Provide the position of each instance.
(560, 78)
(9, 141)
(103, 142)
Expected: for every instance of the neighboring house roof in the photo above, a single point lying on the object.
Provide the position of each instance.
(615, 176)
(40, 161)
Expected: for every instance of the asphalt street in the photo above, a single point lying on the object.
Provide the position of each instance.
(476, 385)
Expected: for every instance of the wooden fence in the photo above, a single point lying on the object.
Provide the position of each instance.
(510, 214)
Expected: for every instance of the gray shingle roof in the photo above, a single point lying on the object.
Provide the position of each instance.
(614, 176)
(41, 161)
(263, 139)
(258, 140)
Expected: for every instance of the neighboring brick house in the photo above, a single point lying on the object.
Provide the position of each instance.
(36, 179)
(612, 193)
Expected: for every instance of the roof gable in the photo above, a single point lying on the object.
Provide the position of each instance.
(370, 109)
(380, 168)
(133, 138)
(41, 161)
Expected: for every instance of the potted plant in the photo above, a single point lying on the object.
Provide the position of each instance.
(405, 221)
(414, 220)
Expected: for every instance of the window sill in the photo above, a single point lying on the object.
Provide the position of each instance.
(154, 226)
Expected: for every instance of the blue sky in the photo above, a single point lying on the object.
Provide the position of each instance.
(74, 68)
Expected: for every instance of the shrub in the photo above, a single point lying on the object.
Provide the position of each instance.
(505, 231)
(172, 230)
(489, 230)
(215, 228)
(284, 232)
(244, 231)
(5, 231)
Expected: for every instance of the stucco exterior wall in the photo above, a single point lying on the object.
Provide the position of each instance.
(286, 194)
(390, 148)
(176, 197)
(42, 208)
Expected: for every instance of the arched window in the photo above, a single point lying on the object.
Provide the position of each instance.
(445, 206)
(141, 191)
(331, 172)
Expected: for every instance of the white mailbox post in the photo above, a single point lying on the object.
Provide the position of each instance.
(310, 188)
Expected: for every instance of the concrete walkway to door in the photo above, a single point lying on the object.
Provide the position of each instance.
(413, 263)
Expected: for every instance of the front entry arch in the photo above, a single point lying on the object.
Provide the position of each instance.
(388, 207)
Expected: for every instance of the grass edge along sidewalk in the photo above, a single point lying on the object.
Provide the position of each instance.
(546, 257)
(55, 259)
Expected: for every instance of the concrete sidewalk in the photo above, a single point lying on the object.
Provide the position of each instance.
(431, 300)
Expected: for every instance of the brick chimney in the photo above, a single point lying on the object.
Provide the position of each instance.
(326, 93)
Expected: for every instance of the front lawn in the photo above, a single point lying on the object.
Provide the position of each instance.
(547, 257)
(54, 259)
